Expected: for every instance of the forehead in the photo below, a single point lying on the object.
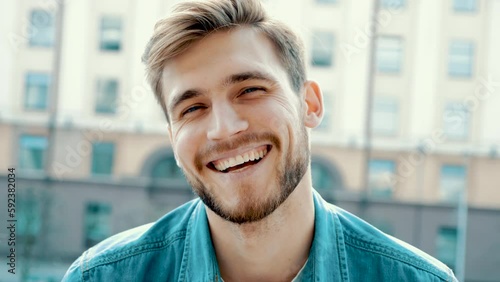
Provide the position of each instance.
(207, 62)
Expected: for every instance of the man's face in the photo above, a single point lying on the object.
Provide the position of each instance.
(237, 127)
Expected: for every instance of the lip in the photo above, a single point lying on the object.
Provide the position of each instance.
(239, 151)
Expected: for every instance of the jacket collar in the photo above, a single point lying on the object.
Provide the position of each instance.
(199, 262)
(327, 258)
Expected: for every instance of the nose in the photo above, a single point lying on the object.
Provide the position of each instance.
(225, 121)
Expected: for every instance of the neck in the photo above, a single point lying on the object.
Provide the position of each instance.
(282, 240)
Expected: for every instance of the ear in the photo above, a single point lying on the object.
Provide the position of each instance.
(172, 144)
(313, 104)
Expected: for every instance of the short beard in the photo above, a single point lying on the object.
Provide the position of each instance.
(289, 173)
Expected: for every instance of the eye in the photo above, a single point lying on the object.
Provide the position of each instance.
(191, 109)
(251, 90)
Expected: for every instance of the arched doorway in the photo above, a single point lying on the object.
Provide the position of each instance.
(167, 188)
(326, 177)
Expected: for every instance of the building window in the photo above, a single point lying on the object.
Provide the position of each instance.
(392, 4)
(453, 182)
(465, 5)
(326, 1)
(322, 49)
(461, 59)
(111, 33)
(106, 95)
(102, 158)
(32, 152)
(327, 114)
(456, 121)
(446, 246)
(385, 116)
(389, 54)
(42, 29)
(381, 173)
(97, 223)
(37, 87)
(29, 214)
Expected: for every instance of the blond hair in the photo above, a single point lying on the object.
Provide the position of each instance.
(193, 20)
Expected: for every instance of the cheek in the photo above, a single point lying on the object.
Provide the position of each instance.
(185, 145)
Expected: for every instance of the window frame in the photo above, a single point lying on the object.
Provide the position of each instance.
(95, 148)
(457, 58)
(376, 124)
(451, 116)
(101, 84)
(96, 219)
(42, 145)
(34, 84)
(447, 193)
(322, 49)
(461, 8)
(385, 191)
(388, 4)
(106, 27)
(47, 38)
(393, 67)
(440, 242)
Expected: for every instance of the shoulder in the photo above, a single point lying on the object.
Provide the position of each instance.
(367, 247)
(168, 231)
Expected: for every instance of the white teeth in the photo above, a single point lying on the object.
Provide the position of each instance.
(219, 167)
(240, 159)
(246, 158)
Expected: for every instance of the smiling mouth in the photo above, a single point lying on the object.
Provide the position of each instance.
(241, 161)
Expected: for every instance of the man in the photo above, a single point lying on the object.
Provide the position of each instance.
(232, 84)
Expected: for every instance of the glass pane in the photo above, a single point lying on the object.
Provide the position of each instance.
(461, 59)
(106, 95)
(32, 152)
(446, 246)
(385, 115)
(389, 54)
(97, 223)
(453, 181)
(392, 4)
(322, 48)
(380, 174)
(456, 120)
(464, 5)
(29, 214)
(41, 28)
(102, 158)
(37, 89)
(111, 33)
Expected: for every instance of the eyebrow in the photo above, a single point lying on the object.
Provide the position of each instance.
(232, 79)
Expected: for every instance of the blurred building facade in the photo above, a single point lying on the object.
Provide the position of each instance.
(434, 122)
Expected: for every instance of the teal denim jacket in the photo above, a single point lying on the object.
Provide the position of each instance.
(178, 247)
